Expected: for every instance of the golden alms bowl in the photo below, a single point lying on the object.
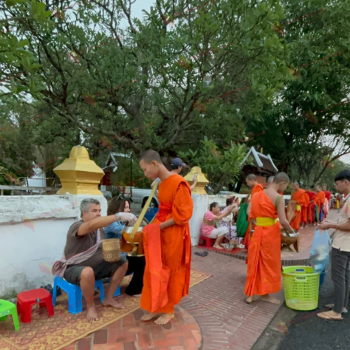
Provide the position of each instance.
(131, 238)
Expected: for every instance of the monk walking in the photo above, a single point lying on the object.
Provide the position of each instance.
(311, 207)
(319, 200)
(264, 254)
(299, 197)
(255, 188)
(304, 210)
(167, 243)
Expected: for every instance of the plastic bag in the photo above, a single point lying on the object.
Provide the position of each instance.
(319, 255)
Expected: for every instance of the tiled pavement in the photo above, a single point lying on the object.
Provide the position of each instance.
(213, 316)
(129, 333)
(219, 315)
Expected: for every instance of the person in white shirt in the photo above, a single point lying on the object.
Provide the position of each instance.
(340, 251)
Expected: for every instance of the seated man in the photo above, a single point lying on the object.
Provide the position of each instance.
(83, 257)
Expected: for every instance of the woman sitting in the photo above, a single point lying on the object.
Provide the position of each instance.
(136, 263)
(228, 221)
(211, 218)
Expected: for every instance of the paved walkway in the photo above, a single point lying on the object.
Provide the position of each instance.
(214, 316)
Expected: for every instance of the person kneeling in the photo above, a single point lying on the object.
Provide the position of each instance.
(83, 261)
(211, 217)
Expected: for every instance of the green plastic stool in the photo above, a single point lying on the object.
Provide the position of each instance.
(7, 308)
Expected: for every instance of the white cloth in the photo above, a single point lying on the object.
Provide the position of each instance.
(217, 232)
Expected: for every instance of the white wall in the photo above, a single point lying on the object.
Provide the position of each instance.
(33, 233)
(201, 204)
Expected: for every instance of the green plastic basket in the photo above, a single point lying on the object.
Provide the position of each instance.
(301, 286)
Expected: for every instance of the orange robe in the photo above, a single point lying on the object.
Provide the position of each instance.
(320, 199)
(305, 208)
(299, 197)
(264, 254)
(175, 199)
(256, 189)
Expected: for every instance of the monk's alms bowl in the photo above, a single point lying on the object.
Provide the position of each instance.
(131, 238)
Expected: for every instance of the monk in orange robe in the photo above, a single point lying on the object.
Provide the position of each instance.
(320, 198)
(304, 210)
(299, 197)
(264, 254)
(311, 208)
(255, 188)
(172, 256)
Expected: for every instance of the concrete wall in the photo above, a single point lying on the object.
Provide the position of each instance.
(33, 233)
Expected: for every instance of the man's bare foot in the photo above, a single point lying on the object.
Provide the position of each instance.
(148, 316)
(164, 319)
(270, 299)
(330, 316)
(249, 300)
(113, 303)
(217, 246)
(92, 313)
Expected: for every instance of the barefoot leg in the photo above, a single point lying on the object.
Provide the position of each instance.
(149, 316)
(218, 242)
(87, 285)
(164, 319)
(270, 299)
(115, 282)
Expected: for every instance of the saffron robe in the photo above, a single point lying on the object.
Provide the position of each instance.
(305, 208)
(299, 197)
(175, 199)
(256, 189)
(327, 195)
(264, 254)
(311, 208)
(319, 200)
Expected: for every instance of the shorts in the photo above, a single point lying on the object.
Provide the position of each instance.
(217, 232)
(106, 269)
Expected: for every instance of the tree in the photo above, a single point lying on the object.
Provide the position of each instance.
(307, 127)
(221, 167)
(169, 85)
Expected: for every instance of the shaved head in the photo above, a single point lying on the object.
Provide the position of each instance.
(296, 183)
(270, 180)
(280, 178)
(250, 177)
(149, 156)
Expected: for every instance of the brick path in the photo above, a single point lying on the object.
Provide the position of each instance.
(214, 310)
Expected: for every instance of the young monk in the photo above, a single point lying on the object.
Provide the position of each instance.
(299, 197)
(320, 198)
(167, 243)
(304, 210)
(311, 207)
(255, 188)
(264, 254)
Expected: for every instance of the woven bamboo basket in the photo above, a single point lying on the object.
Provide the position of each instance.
(111, 249)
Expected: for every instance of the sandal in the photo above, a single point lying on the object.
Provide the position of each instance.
(329, 318)
(331, 306)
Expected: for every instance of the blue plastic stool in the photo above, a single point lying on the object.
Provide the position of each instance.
(75, 295)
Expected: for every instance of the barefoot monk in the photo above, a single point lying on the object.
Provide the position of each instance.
(264, 254)
(298, 196)
(255, 188)
(167, 243)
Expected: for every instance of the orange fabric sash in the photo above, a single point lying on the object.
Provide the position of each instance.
(156, 274)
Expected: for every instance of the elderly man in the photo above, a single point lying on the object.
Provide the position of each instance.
(83, 261)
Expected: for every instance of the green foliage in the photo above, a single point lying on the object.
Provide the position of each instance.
(221, 167)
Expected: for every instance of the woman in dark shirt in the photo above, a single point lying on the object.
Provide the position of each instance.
(136, 263)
